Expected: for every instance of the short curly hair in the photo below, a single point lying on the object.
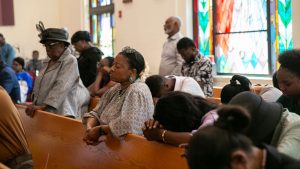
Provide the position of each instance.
(290, 60)
(155, 84)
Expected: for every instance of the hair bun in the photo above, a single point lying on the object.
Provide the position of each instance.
(233, 118)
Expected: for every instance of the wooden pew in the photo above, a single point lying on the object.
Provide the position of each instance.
(56, 143)
(217, 92)
(93, 103)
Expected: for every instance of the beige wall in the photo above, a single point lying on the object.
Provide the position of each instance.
(52, 12)
(141, 26)
(296, 23)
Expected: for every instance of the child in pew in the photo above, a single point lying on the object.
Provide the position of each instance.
(239, 83)
(160, 85)
(224, 146)
(24, 78)
(14, 151)
(103, 81)
(125, 106)
(179, 113)
(288, 77)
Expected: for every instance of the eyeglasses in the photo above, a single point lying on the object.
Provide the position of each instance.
(51, 45)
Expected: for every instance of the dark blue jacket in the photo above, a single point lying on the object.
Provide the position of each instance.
(9, 81)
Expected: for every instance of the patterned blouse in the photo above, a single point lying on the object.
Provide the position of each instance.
(201, 71)
(125, 111)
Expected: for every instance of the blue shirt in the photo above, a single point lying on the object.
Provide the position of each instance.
(7, 54)
(9, 81)
(26, 77)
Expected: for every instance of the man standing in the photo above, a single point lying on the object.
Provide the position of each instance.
(7, 52)
(89, 56)
(171, 61)
(195, 65)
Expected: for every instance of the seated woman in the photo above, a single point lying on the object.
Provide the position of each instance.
(288, 77)
(125, 106)
(178, 114)
(58, 88)
(102, 82)
(160, 85)
(223, 146)
(240, 84)
(24, 78)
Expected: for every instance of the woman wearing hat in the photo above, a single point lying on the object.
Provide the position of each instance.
(125, 106)
(57, 87)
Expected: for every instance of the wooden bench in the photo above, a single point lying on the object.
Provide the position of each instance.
(56, 143)
(217, 92)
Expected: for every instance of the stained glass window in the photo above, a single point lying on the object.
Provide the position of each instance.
(102, 25)
(244, 36)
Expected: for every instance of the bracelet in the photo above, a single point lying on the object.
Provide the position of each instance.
(163, 136)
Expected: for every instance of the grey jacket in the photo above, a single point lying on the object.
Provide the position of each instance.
(58, 86)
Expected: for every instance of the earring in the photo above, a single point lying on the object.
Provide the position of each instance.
(131, 80)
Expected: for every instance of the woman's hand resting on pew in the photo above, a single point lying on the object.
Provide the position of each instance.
(30, 110)
(92, 134)
(153, 130)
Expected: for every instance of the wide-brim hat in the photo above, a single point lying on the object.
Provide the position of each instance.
(265, 116)
(54, 34)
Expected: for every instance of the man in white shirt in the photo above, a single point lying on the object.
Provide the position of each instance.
(171, 60)
(160, 85)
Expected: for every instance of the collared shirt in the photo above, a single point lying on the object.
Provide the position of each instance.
(201, 70)
(188, 85)
(7, 54)
(171, 60)
(58, 85)
(12, 136)
(125, 111)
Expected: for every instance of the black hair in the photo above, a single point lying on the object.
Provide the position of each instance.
(212, 146)
(181, 112)
(185, 43)
(275, 81)
(35, 51)
(291, 61)
(20, 60)
(106, 77)
(135, 60)
(1, 35)
(234, 88)
(155, 83)
(110, 60)
(81, 35)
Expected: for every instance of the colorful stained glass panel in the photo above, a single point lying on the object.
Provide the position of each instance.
(245, 53)
(106, 43)
(240, 15)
